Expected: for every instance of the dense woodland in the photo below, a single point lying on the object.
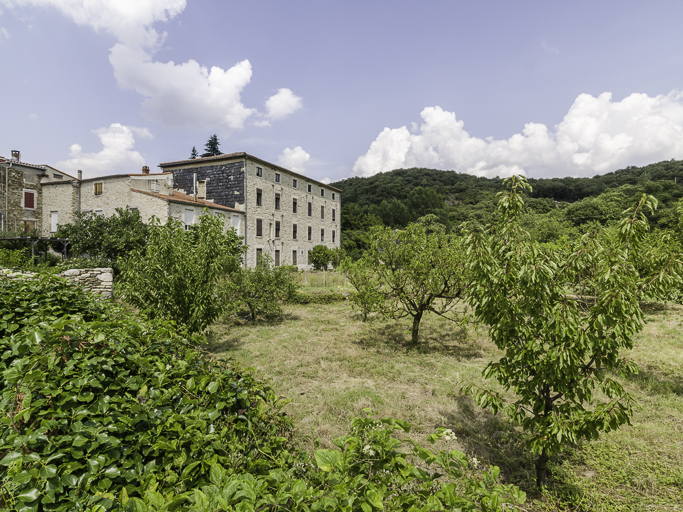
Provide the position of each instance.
(556, 208)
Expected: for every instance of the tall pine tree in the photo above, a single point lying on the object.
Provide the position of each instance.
(211, 147)
(194, 153)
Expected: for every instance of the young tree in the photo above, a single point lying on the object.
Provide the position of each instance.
(321, 256)
(177, 274)
(194, 154)
(416, 270)
(211, 146)
(558, 348)
(363, 278)
(262, 289)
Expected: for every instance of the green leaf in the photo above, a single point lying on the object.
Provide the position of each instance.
(328, 459)
(29, 495)
(9, 458)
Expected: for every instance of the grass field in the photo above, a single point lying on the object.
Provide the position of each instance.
(331, 366)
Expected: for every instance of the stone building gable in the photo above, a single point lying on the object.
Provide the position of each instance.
(225, 184)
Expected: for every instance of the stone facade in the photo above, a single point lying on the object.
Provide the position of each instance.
(277, 188)
(96, 280)
(60, 204)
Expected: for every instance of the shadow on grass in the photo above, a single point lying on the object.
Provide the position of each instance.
(221, 337)
(495, 440)
(433, 340)
(654, 382)
(654, 308)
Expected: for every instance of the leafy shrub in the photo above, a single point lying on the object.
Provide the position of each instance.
(177, 273)
(12, 258)
(96, 405)
(318, 297)
(321, 256)
(262, 290)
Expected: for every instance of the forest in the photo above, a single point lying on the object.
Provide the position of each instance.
(555, 207)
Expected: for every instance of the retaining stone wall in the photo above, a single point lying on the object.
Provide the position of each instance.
(96, 280)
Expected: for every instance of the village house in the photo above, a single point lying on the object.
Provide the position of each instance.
(286, 214)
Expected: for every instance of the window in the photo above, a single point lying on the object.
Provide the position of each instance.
(236, 223)
(322, 212)
(154, 186)
(309, 257)
(99, 212)
(322, 235)
(277, 229)
(310, 231)
(57, 176)
(294, 233)
(189, 218)
(259, 172)
(259, 197)
(201, 189)
(54, 221)
(333, 215)
(29, 200)
(259, 255)
(309, 188)
(29, 225)
(294, 186)
(294, 257)
(277, 201)
(97, 188)
(322, 192)
(293, 205)
(333, 236)
(332, 196)
(259, 227)
(277, 177)
(277, 257)
(310, 209)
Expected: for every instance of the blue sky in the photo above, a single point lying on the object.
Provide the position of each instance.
(339, 89)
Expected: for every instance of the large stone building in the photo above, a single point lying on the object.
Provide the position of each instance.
(286, 214)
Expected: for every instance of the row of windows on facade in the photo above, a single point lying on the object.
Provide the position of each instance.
(276, 260)
(259, 202)
(190, 217)
(295, 234)
(295, 183)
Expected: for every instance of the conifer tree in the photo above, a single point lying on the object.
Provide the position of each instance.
(211, 146)
(194, 153)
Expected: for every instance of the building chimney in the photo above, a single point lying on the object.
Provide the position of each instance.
(16, 155)
(80, 175)
(145, 169)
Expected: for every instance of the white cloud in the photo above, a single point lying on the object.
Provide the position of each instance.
(33, 117)
(4, 34)
(116, 156)
(186, 94)
(597, 135)
(283, 103)
(294, 159)
(326, 181)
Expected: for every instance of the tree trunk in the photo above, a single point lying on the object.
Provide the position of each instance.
(416, 328)
(542, 469)
(253, 312)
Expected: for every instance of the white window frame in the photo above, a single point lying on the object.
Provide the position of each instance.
(54, 221)
(99, 212)
(23, 198)
(185, 213)
(154, 185)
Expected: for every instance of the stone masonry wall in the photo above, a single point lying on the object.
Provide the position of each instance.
(61, 198)
(96, 280)
(225, 185)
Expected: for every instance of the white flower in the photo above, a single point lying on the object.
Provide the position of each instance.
(475, 462)
(168, 366)
(368, 450)
(448, 435)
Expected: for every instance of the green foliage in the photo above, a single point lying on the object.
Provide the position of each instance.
(211, 148)
(262, 289)
(321, 256)
(559, 350)
(13, 258)
(96, 405)
(105, 238)
(177, 273)
(325, 297)
(193, 153)
(410, 272)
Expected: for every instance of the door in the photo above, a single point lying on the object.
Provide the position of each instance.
(277, 257)
(294, 257)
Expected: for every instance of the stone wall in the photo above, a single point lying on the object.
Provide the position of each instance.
(225, 185)
(61, 198)
(96, 280)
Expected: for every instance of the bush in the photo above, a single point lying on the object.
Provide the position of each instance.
(13, 258)
(262, 290)
(177, 273)
(321, 256)
(97, 405)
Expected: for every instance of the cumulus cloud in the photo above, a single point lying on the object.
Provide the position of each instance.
(294, 159)
(597, 135)
(117, 154)
(185, 94)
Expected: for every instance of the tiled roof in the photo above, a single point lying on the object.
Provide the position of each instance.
(247, 155)
(179, 197)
